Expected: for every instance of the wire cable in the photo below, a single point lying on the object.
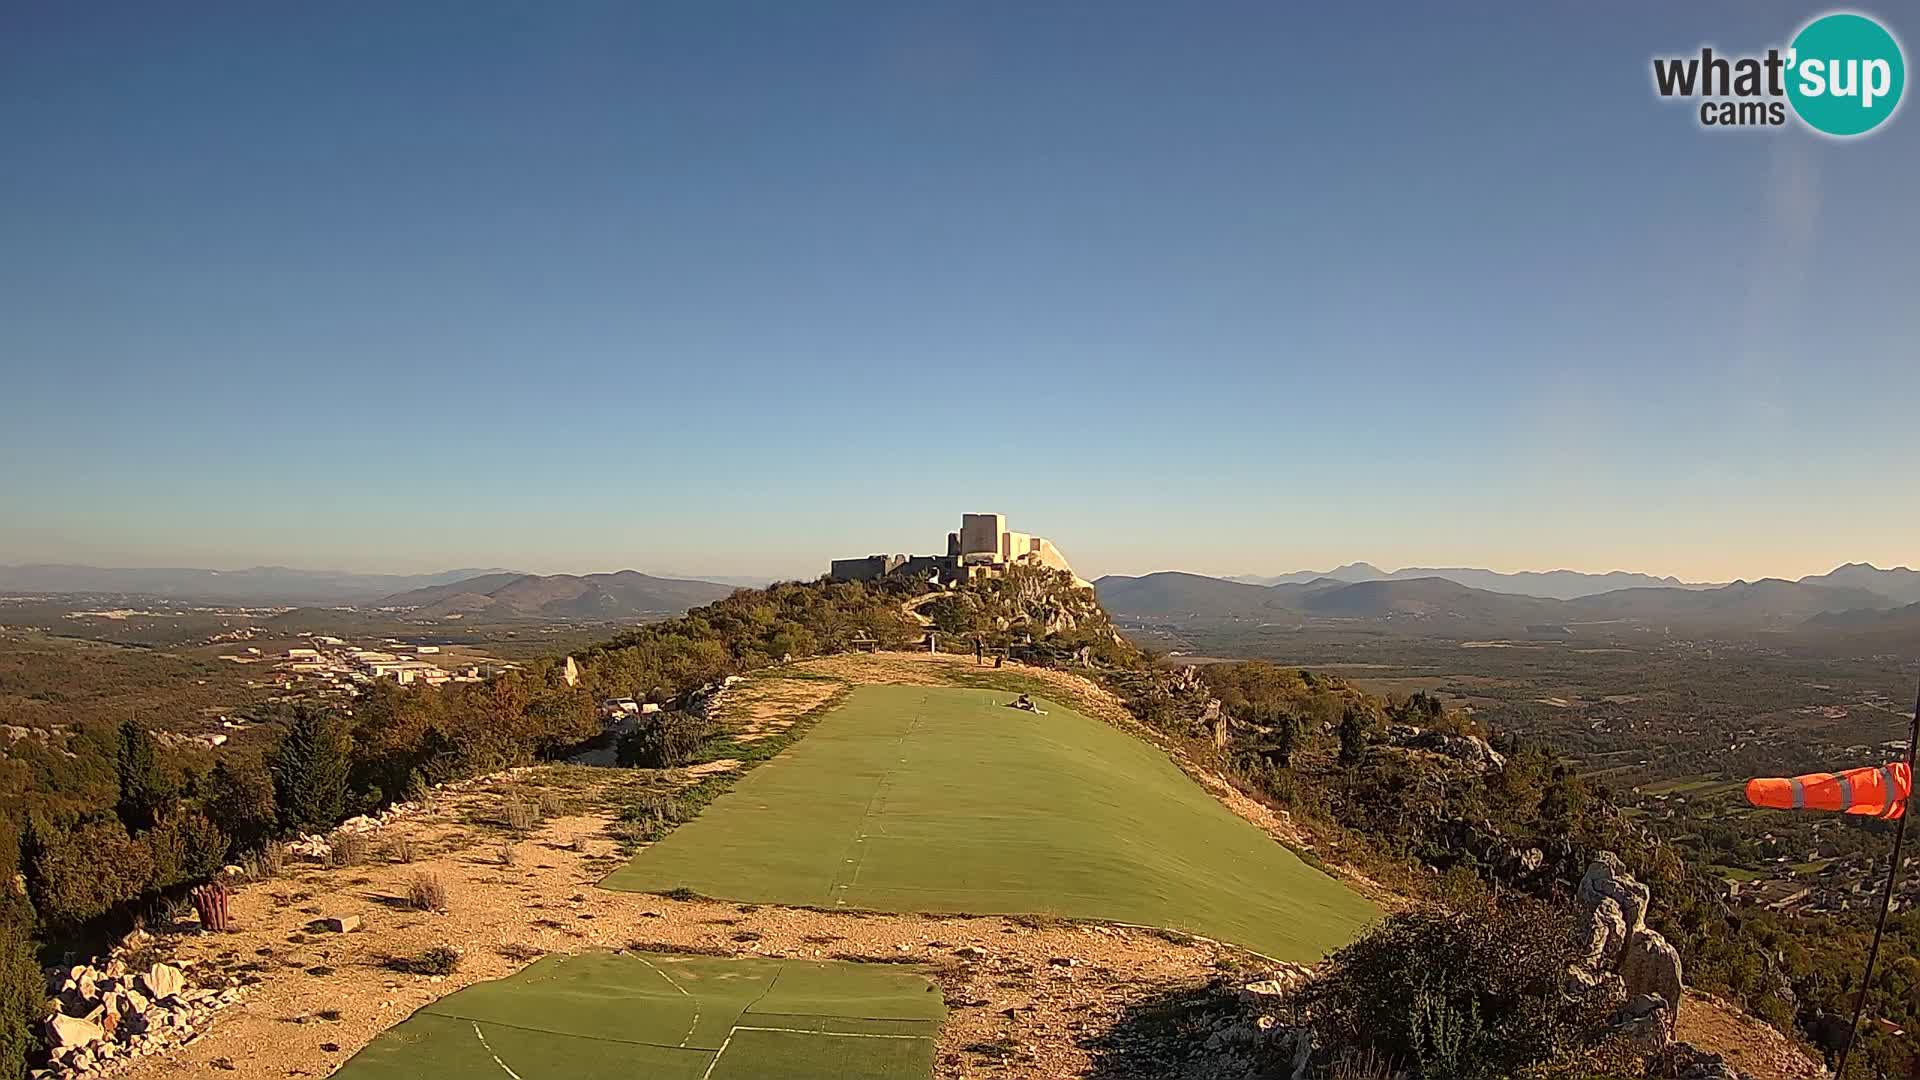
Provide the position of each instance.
(1886, 902)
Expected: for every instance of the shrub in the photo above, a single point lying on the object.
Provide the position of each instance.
(185, 847)
(439, 960)
(348, 849)
(521, 815)
(404, 850)
(648, 817)
(1460, 996)
(551, 805)
(427, 892)
(667, 740)
(310, 770)
(23, 991)
(85, 872)
(265, 864)
(240, 798)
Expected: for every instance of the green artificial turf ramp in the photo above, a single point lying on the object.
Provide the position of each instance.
(670, 1017)
(940, 799)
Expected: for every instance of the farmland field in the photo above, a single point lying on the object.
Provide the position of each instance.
(672, 1017)
(939, 799)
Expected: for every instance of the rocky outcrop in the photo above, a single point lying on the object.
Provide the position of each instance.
(1617, 955)
(319, 848)
(1471, 750)
(1607, 878)
(1605, 936)
(107, 1014)
(1651, 966)
(1645, 1023)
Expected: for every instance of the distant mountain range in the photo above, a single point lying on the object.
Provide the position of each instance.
(1900, 584)
(1350, 593)
(254, 585)
(486, 592)
(1550, 584)
(623, 595)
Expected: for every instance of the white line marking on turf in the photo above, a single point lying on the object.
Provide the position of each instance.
(829, 1034)
(716, 1056)
(496, 1057)
(728, 1041)
(683, 991)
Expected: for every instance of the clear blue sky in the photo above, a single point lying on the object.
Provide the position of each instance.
(734, 288)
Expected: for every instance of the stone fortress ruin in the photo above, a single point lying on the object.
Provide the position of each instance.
(983, 547)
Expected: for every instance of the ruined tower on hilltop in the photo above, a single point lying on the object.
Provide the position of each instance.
(983, 547)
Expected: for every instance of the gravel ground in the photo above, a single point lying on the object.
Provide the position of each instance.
(1023, 995)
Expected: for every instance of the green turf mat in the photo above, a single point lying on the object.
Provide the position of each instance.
(882, 992)
(669, 1017)
(758, 1055)
(443, 1048)
(941, 799)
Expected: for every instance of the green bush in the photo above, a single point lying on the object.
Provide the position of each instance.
(310, 770)
(240, 797)
(438, 960)
(23, 993)
(85, 872)
(1468, 995)
(666, 740)
(186, 847)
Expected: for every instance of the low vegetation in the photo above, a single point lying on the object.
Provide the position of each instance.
(427, 892)
(1469, 994)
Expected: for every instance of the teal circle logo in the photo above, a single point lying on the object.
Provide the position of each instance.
(1845, 74)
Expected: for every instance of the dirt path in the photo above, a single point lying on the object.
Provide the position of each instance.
(1747, 1044)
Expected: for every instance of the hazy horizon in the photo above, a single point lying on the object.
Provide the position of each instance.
(801, 573)
(599, 286)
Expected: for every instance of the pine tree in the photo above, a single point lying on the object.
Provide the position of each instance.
(310, 770)
(1353, 736)
(147, 793)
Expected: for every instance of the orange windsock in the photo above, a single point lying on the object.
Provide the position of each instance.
(1878, 791)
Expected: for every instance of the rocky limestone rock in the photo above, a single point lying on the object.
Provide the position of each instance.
(1651, 966)
(1645, 1022)
(1470, 749)
(312, 847)
(1607, 878)
(162, 981)
(1603, 936)
(67, 1032)
(1268, 995)
(344, 924)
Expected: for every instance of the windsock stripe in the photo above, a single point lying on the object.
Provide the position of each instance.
(1799, 793)
(1846, 791)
